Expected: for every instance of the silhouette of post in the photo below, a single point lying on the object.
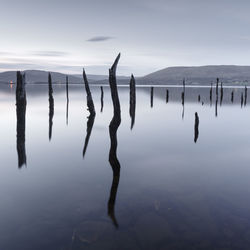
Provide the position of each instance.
(20, 115)
(91, 117)
(167, 95)
(113, 127)
(152, 97)
(102, 95)
(67, 97)
(217, 85)
(51, 105)
(132, 100)
(232, 96)
(90, 102)
(196, 127)
(241, 100)
(211, 94)
(245, 99)
(183, 102)
(199, 98)
(216, 106)
(221, 93)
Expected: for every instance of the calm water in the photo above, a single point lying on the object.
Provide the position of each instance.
(172, 193)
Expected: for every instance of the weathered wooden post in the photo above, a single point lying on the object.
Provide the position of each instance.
(113, 127)
(132, 100)
(152, 97)
(199, 98)
(211, 94)
(102, 95)
(91, 109)
(51, 105)
(67, 97)
(232, 96)
(167, 95)
(221, 94)
(20, 115)
(183, 102)
(90, 102)
(196, 127)
(217, 85)
(245, 99)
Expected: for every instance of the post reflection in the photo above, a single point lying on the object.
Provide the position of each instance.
(196, 127)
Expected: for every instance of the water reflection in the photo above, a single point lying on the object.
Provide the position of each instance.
(51, 105)
(132, 100)
(196, 127)
(113, 127)
(20, 115)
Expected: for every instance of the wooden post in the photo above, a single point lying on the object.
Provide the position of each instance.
(245, 99)
(221, 94)
(90, 102)
(102, 95)
(211, 94)
(51, 105)
(199, 98)
(132, 100)
(241, 100)
(217, 85)
(167, 95)
(152, 97)
(232, 96)
(113, 127)
(91, 117)
(20, 115)
(67, 97)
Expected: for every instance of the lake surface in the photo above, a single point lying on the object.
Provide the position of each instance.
(181, 185)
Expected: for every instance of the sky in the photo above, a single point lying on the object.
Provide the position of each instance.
(67, 35)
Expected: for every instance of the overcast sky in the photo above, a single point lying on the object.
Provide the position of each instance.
(66, 35)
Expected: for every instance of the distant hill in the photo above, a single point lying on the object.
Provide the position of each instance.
(199, 75)
(229, 74)
(40, 76)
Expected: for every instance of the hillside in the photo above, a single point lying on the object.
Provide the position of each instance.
(200, 74)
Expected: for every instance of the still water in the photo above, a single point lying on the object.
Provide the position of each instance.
(181, 185)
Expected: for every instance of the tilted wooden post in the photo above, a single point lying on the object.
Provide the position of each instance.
(113, 127)
(90, 102)
(91, 108)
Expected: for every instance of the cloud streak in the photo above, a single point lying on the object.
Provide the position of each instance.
(100, 38)
(49, 53)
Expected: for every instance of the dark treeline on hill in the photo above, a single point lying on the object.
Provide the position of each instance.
(200, 75)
